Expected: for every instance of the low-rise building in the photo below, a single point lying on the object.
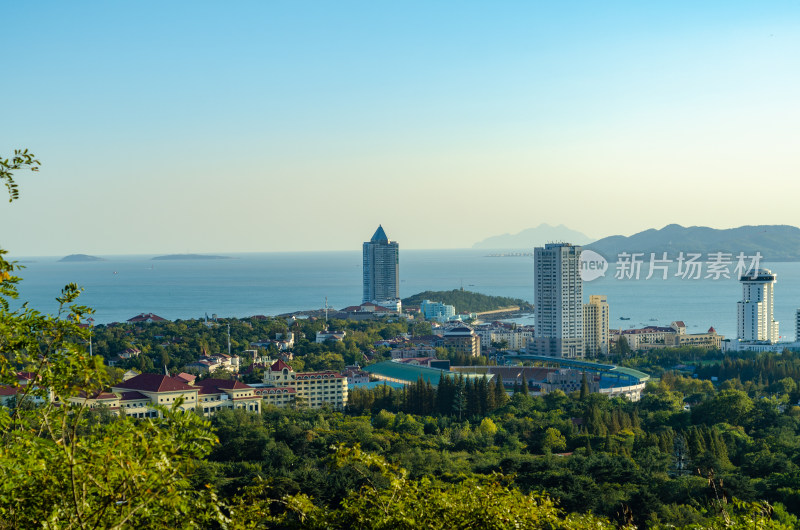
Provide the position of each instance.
(313, 389)
(437, 311)
(515, 337)
(368, 311)
(568, 380)
(410, 352)
(138, 394)
(282, 341)
(220, 361)
(462, 339)
(674, 336)
(336, 336)
(225, 393)
(11, 394)
(146, 318)
(355, 375)
(710, 340)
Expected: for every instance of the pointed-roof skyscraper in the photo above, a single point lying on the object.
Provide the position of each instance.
(381, 269)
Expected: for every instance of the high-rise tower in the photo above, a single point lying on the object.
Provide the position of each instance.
(755, 314)
(558, 299)
(381, 269)
(595, 325)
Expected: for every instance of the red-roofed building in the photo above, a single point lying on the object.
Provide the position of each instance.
(138, 395)
(226, 393)
(97, 399)
(188, 378)
(146, 318)
(11, 393)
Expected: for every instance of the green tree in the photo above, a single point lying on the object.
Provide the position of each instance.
(62, 465)
(21, 160)
(553, 441)
(584, 387)
(390, 500)
(524, 388)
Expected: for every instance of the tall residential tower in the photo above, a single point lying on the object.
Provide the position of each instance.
(558, 299)
(755, 315)
(595, 325)
(381, 270)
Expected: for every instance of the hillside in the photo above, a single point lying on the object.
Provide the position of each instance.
(466, 301)
(774, 242)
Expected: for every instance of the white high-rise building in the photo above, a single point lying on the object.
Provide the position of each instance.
(381, 270)
(755, 313)
(558, 299)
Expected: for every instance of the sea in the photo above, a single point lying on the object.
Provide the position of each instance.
(284, 282)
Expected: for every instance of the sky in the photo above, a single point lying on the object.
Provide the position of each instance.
(168, 127)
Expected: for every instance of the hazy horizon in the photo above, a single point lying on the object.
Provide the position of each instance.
(263, 127)
(357, 248)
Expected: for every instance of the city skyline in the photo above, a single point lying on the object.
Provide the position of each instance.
(193, 129)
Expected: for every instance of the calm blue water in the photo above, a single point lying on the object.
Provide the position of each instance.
(274, 283)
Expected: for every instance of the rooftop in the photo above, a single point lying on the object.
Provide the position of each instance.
(410, 373)
(155, 383)
(215, 386)
(379, 236)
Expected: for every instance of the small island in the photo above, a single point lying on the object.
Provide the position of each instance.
(81, 257)
(470, 302)
(189, 257)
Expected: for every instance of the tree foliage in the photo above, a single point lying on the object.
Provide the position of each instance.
(466, 301)
(64, 465)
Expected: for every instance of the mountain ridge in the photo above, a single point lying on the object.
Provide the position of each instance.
(774, 242)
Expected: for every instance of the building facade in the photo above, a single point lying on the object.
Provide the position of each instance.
(797, 326)
(515, 337)
(138, 396)
(674, 336)
(437, 311)
(312, 389)
(381, 269)
(558, 297)
(595, 326)
(755, 312)
(462, 339)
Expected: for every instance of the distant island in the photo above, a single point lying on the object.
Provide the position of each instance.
(189, 257)
(773, 242)
(81, 257)
(467, 301)
(534, 237)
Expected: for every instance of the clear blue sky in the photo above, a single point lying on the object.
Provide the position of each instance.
(277, 126)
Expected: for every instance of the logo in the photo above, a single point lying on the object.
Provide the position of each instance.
(593, 265)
